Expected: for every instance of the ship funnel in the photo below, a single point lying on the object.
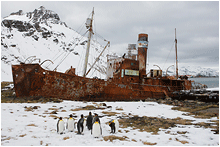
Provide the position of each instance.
(142, 53)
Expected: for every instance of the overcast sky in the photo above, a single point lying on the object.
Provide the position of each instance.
(197, 25)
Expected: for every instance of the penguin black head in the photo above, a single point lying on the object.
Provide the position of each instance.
(96, 119)
(96, 114)
(111, 121)
(61, 118)
(90, 113)
(81, 115)
(70, 115)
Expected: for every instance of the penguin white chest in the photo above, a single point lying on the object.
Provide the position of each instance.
(61, 126)
(84, 126)
(116, 125)
(70, 124)
(96, 130)
(84, 123)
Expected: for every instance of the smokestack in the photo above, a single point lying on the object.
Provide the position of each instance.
(142, 53)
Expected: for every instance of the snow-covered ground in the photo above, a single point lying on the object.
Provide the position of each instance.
(37, 127)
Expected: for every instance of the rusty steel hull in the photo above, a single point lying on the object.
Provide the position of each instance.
(32, 80)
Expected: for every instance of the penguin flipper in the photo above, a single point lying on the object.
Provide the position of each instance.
(58, 126)
(101, 129)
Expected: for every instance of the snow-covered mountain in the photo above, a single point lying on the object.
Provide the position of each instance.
(194, 71)
(42, 34)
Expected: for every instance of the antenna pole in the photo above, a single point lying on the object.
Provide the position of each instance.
(176, 56)
(88, 45)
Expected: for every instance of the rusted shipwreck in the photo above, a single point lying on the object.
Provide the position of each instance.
(126, 80)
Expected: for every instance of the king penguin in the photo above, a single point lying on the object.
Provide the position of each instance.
(89, 121)
(80, 126)
(60, 126)
(96, 129)
(70, 124)
(112, 125)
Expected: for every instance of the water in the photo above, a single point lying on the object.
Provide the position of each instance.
(210, 82)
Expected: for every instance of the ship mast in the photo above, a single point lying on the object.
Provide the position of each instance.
(89, 26)
(176, 56)
(97, 59)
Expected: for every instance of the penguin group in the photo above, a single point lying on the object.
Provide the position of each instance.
(92, 123)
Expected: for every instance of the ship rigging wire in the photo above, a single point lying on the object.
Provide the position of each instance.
(168, 54)
(63, 51)
(70, 51)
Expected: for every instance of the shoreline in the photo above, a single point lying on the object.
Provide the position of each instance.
(204, 77)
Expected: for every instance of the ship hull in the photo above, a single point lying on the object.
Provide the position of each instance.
(31, 80)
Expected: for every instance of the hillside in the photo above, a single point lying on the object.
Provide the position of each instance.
(41, 33)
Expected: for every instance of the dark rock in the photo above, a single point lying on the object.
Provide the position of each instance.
(103, 104)
(20, 12)
(35, 37)
(53, 112)
(46, 34)
(76, 53)
(36, 107)
(56, 40)
(3, 58)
